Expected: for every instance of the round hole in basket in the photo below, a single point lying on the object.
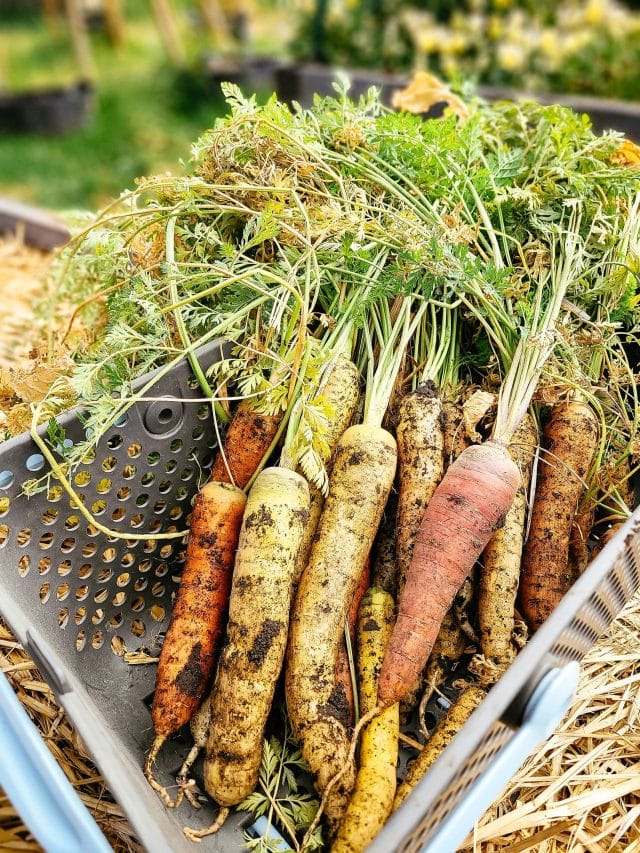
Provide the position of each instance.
(80, 615)
(97, 640)
(129, 472)
(137, 604)
(118, 514)
(5, 505)
(116, 621)
(164, 487)
(137, 520)
(103, 487)
(157, 612)
(98, 616)
(64, 568)
(109, 464)
(153, 458)
(175, 446)
(6, 479)
(142, 500)
(35, 462)
(68, 545)
(108, 555)
(62, 591)
(149, 546)
(118, 646)
(101, 595)
(83, 478)
(138, 628)
(119, 599)
(89, 549)
(133, 451)
(148, 478)
(22, 538)
(45, 541)
(81, 640)
(24, 564)
(123, 579)
(54, 494)
(45, 592)
(50, 516)
(82, 592)
(63, 617)
(98, 507)
(72, 522)
(141, 584)
(4, 534)
(85, 571)
(44, 564)
(171, 466)
(114, 442)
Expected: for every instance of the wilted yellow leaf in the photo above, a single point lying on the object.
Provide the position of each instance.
(627, 155)
(425, 91)
(474, 409)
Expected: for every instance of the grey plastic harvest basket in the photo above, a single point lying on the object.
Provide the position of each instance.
(76, 600)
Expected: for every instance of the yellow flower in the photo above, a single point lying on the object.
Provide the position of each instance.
(511, 57)
(549, 41)
(495, 28)
(594, 12)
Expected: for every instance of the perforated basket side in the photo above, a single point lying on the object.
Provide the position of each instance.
(582, 618)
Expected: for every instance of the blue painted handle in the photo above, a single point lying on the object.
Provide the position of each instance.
(545, 709)
(38, 788)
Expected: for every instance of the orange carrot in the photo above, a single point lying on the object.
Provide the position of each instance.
(467, 507)
(343, 670)
(189, 651)
(248, 439)
(571, 439)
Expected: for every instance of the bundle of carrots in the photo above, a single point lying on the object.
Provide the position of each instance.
(428, 418)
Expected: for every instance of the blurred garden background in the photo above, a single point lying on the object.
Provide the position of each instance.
(142, 76)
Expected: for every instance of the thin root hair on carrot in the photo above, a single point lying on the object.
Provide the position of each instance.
(362, 722)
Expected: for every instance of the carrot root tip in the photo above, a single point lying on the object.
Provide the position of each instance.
(197, 835)
(160, 790)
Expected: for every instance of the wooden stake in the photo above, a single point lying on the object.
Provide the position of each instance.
(80, 39)
(51, 9)
(169, 33)
(114, 21)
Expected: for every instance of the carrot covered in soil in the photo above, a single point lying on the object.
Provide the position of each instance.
(189, 651)
(343, 667)
(362, 477)
(420, 438)
(371, 801)
(468, 506)
(500, 574)
(251, 659)
(384, 549)
(445, 731)
(248, 439)
(570, 439)
(341, 392)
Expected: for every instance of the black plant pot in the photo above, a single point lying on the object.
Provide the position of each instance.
(251, 73)
(299, 82)
(49, 112)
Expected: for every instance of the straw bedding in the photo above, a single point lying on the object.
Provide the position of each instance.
(580, 792)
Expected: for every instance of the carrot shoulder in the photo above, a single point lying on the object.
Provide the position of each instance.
(248, 439)
(468, 506)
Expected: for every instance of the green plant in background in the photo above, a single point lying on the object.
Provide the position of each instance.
(584, 46)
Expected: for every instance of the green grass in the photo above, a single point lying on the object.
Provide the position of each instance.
(146, 113)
